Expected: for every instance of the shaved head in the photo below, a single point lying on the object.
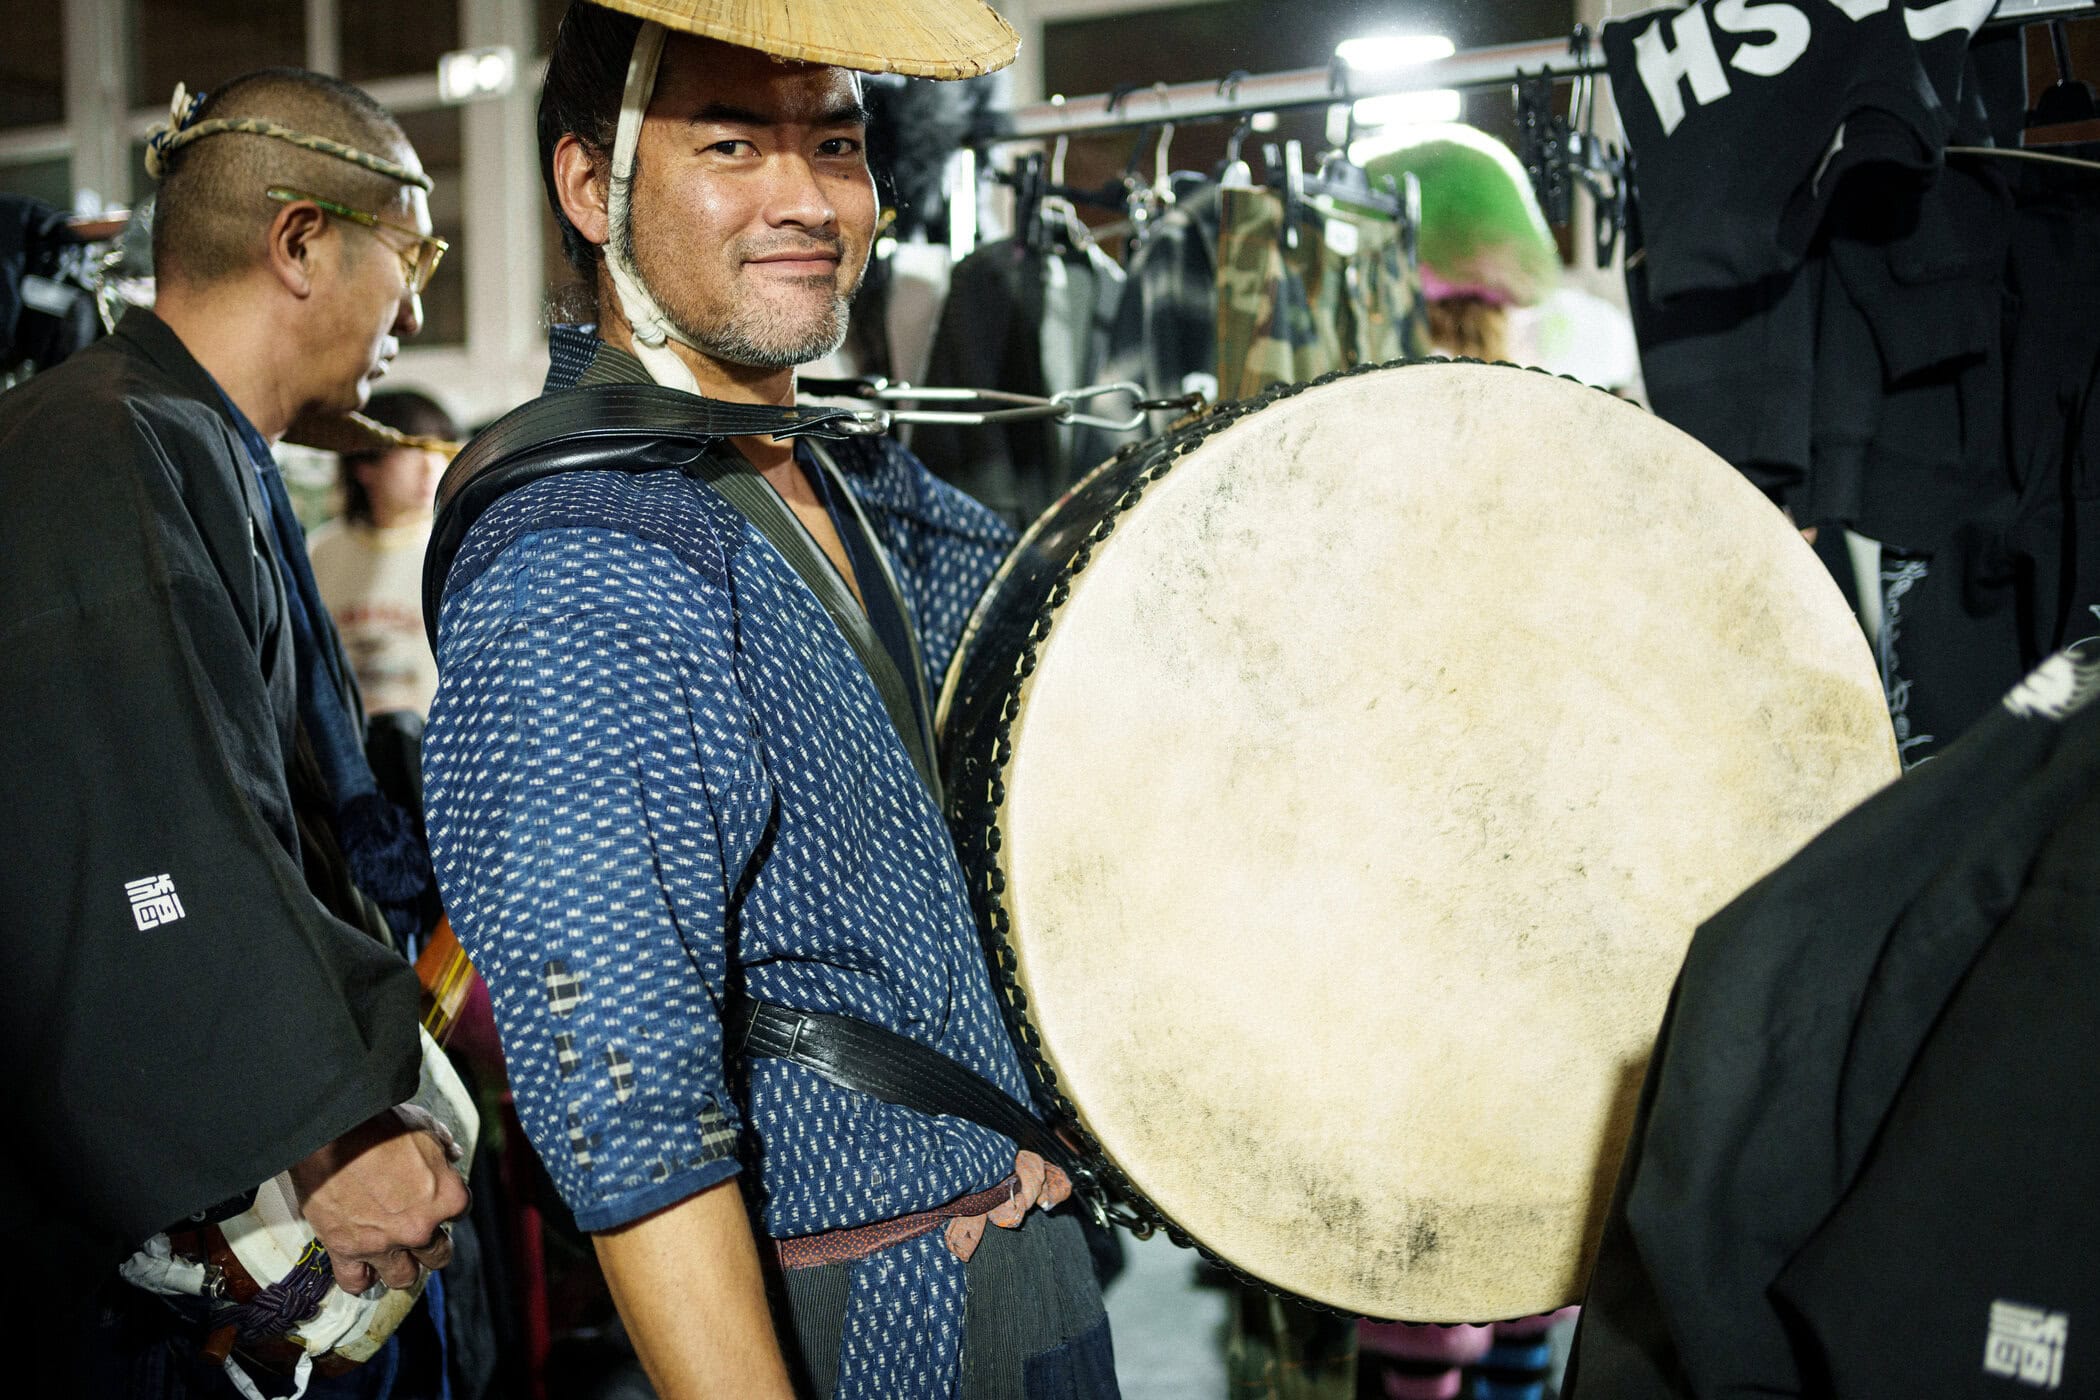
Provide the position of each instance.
(212, 213)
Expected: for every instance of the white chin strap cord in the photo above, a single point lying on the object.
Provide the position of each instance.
(652, 329)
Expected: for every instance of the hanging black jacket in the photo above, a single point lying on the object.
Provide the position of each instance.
(182, 1020)
(1006, 326)
(46, 309)
(1867, 1157)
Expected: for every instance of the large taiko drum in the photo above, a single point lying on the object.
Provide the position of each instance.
(1340, 778)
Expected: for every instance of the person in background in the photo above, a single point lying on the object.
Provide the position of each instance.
(196, 1000)
(1484, 244)
(369, 561)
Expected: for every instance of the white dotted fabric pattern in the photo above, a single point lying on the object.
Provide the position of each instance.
(657, 772)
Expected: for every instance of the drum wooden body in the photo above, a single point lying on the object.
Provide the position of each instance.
(1340, 779)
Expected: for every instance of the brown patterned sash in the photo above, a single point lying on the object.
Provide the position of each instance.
(860, 1241)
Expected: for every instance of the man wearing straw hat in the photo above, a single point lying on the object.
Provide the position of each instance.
(192, 1006)
(679, 765)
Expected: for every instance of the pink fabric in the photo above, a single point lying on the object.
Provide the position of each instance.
(1436, 288)
(1454, 1346)
(859, 1241)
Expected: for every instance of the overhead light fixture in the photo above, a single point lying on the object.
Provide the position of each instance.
(1393, 134)
(1380, 52)
(1409, 108)
(467, 74)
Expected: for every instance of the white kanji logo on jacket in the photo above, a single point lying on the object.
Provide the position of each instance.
(2027, 1345)
(153, 901)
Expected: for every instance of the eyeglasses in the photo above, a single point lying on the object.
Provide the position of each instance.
(419, 263)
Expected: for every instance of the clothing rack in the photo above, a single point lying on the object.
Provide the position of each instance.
(1495, 65)
(1268, 92)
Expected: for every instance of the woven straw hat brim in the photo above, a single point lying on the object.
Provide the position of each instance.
(353, 434)
(921, 38)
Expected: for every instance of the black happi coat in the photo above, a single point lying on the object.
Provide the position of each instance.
(157, 1065)
(1867, 1157)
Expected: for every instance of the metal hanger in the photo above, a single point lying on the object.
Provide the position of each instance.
(1144, 202)
(1162, 167)
(1338, 80)
(1060, 201)
(2066, 100)
(1561, 152)
(1338, 178)
(1234, 173)
(1044, 204)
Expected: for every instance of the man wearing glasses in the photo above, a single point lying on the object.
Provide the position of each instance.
(199, 994)
(419, 252)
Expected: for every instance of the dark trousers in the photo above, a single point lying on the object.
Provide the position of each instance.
(1033, 1324)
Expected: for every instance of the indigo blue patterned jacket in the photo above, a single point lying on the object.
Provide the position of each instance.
(655, 769)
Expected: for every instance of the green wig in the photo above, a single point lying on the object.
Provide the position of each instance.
(1483, 235)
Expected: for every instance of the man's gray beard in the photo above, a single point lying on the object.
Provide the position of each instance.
(749, 337)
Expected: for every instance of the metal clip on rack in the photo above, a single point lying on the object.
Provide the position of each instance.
(1561, 152)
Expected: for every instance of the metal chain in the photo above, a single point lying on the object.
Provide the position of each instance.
(978, 793)
(1060, 408)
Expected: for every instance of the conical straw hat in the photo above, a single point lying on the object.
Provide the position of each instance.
(924, 38)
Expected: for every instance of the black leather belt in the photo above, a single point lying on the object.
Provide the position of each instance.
(859, 1055)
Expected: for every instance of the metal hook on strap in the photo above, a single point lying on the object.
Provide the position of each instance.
(1062, 408)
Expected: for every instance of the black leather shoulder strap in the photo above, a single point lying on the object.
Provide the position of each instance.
(914, 697)
(641, 428)
(634, 428)
(872, 1060)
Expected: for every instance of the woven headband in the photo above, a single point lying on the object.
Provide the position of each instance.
(182, 128)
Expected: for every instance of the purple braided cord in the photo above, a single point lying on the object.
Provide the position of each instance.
(278, 1310)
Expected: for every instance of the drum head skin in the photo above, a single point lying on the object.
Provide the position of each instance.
(1364, 796)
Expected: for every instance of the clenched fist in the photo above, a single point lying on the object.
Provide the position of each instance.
(378, 1198)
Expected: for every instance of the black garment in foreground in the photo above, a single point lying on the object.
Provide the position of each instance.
(1871, 1119)
(182, 1019)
